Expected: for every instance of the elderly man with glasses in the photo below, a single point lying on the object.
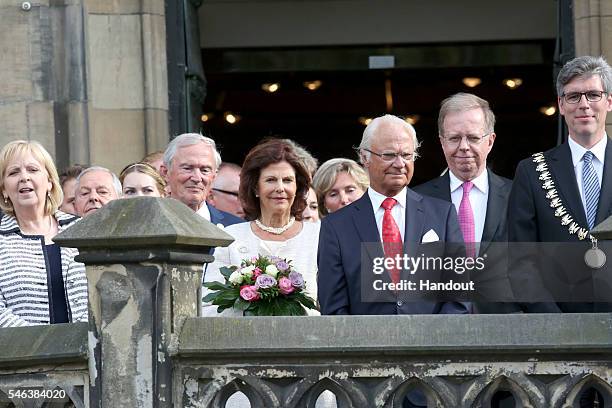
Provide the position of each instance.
(390, 218)
(560, 195)
(224, 193)
(466, 127)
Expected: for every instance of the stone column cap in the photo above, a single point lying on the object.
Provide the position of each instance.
(144, 222)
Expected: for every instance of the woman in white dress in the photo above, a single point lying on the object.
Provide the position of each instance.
(273, 189)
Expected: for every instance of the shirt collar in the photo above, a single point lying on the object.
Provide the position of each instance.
(599, 150)
(481, 182)
(376, 198)
(204, 212)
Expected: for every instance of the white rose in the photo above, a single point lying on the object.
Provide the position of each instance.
(271, 270)
(247, 271)
(236, 278)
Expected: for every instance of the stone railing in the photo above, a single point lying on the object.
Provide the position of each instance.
(49, 359)
(145, 346)
(545, 361)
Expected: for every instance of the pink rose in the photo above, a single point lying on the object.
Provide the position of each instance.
(256, 272)
(249, 293)
(285, 286)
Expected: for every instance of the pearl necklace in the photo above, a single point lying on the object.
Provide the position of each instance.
(275, 230)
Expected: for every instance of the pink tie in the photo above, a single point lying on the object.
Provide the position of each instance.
(466, 220)
(392, 239)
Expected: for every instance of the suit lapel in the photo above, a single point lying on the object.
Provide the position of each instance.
(565, 180)
(365, 223)
(216, 217)
(413, 230)
(605, 195)
(440, 188)
(493, 217)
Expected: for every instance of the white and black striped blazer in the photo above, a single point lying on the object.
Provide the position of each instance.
(24, 298)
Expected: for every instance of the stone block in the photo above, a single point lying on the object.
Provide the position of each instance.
(43, 344)
(606, 37)
(605, 8)
(157, 129)
(16, 71)
(78, 132)
(112, 6)
(115, 61)
(116, 137)
(155, 63)
(13, 118)
(586, 32)
(154, 7)
(41, 124)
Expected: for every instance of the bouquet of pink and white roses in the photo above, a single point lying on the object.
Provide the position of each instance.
(261, 286)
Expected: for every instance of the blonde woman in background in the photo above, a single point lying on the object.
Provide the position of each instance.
(141, 179)
(338, 182)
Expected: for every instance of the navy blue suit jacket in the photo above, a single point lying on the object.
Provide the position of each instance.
(339, 255)
(222, 217)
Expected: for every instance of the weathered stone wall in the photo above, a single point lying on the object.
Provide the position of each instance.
(86, 78)
(593, 32)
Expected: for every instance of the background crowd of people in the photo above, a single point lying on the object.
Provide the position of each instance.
(280, 202)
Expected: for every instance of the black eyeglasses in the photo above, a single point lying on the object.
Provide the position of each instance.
(591, 96)
(232, 193)
(391, 156)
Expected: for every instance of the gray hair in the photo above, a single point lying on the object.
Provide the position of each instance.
(189, 139)
(370, 131)
(461, 102)
(116, 182)
(585, 67)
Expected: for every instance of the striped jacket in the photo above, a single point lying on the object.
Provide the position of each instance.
(24, 299)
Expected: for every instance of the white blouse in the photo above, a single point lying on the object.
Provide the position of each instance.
(301, 250)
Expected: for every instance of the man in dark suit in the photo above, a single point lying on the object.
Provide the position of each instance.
(561, 195)
(190, 166)
(466, 130)
(387, 151)
(391, 214)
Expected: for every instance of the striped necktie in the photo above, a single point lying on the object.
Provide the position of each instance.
(590, 188)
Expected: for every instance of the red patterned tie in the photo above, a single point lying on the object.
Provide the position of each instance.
(392, 239)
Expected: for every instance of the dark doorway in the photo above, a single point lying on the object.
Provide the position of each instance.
(327, 120)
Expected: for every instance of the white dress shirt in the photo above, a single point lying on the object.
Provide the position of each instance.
(398, 211)
(479, 195)
(204, 212)
(599, 153)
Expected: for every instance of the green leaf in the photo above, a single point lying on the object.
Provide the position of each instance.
(210, 297)
(241, 304)
(226, 271)
(216, 285)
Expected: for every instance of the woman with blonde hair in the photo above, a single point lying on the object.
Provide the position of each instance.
(338, 182)
(141, 179)
(40, 282)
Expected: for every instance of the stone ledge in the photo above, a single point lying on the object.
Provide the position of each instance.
(33, 345)
(358, 335)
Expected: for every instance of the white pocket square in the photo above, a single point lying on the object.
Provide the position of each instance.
(430, 236)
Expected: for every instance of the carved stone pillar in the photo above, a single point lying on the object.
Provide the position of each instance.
(144, 259)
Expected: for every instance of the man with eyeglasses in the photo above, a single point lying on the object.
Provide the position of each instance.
(224, 192)
(562, 194)
(466, 128)
(190, 167)
(389, 213)
(389, 220)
